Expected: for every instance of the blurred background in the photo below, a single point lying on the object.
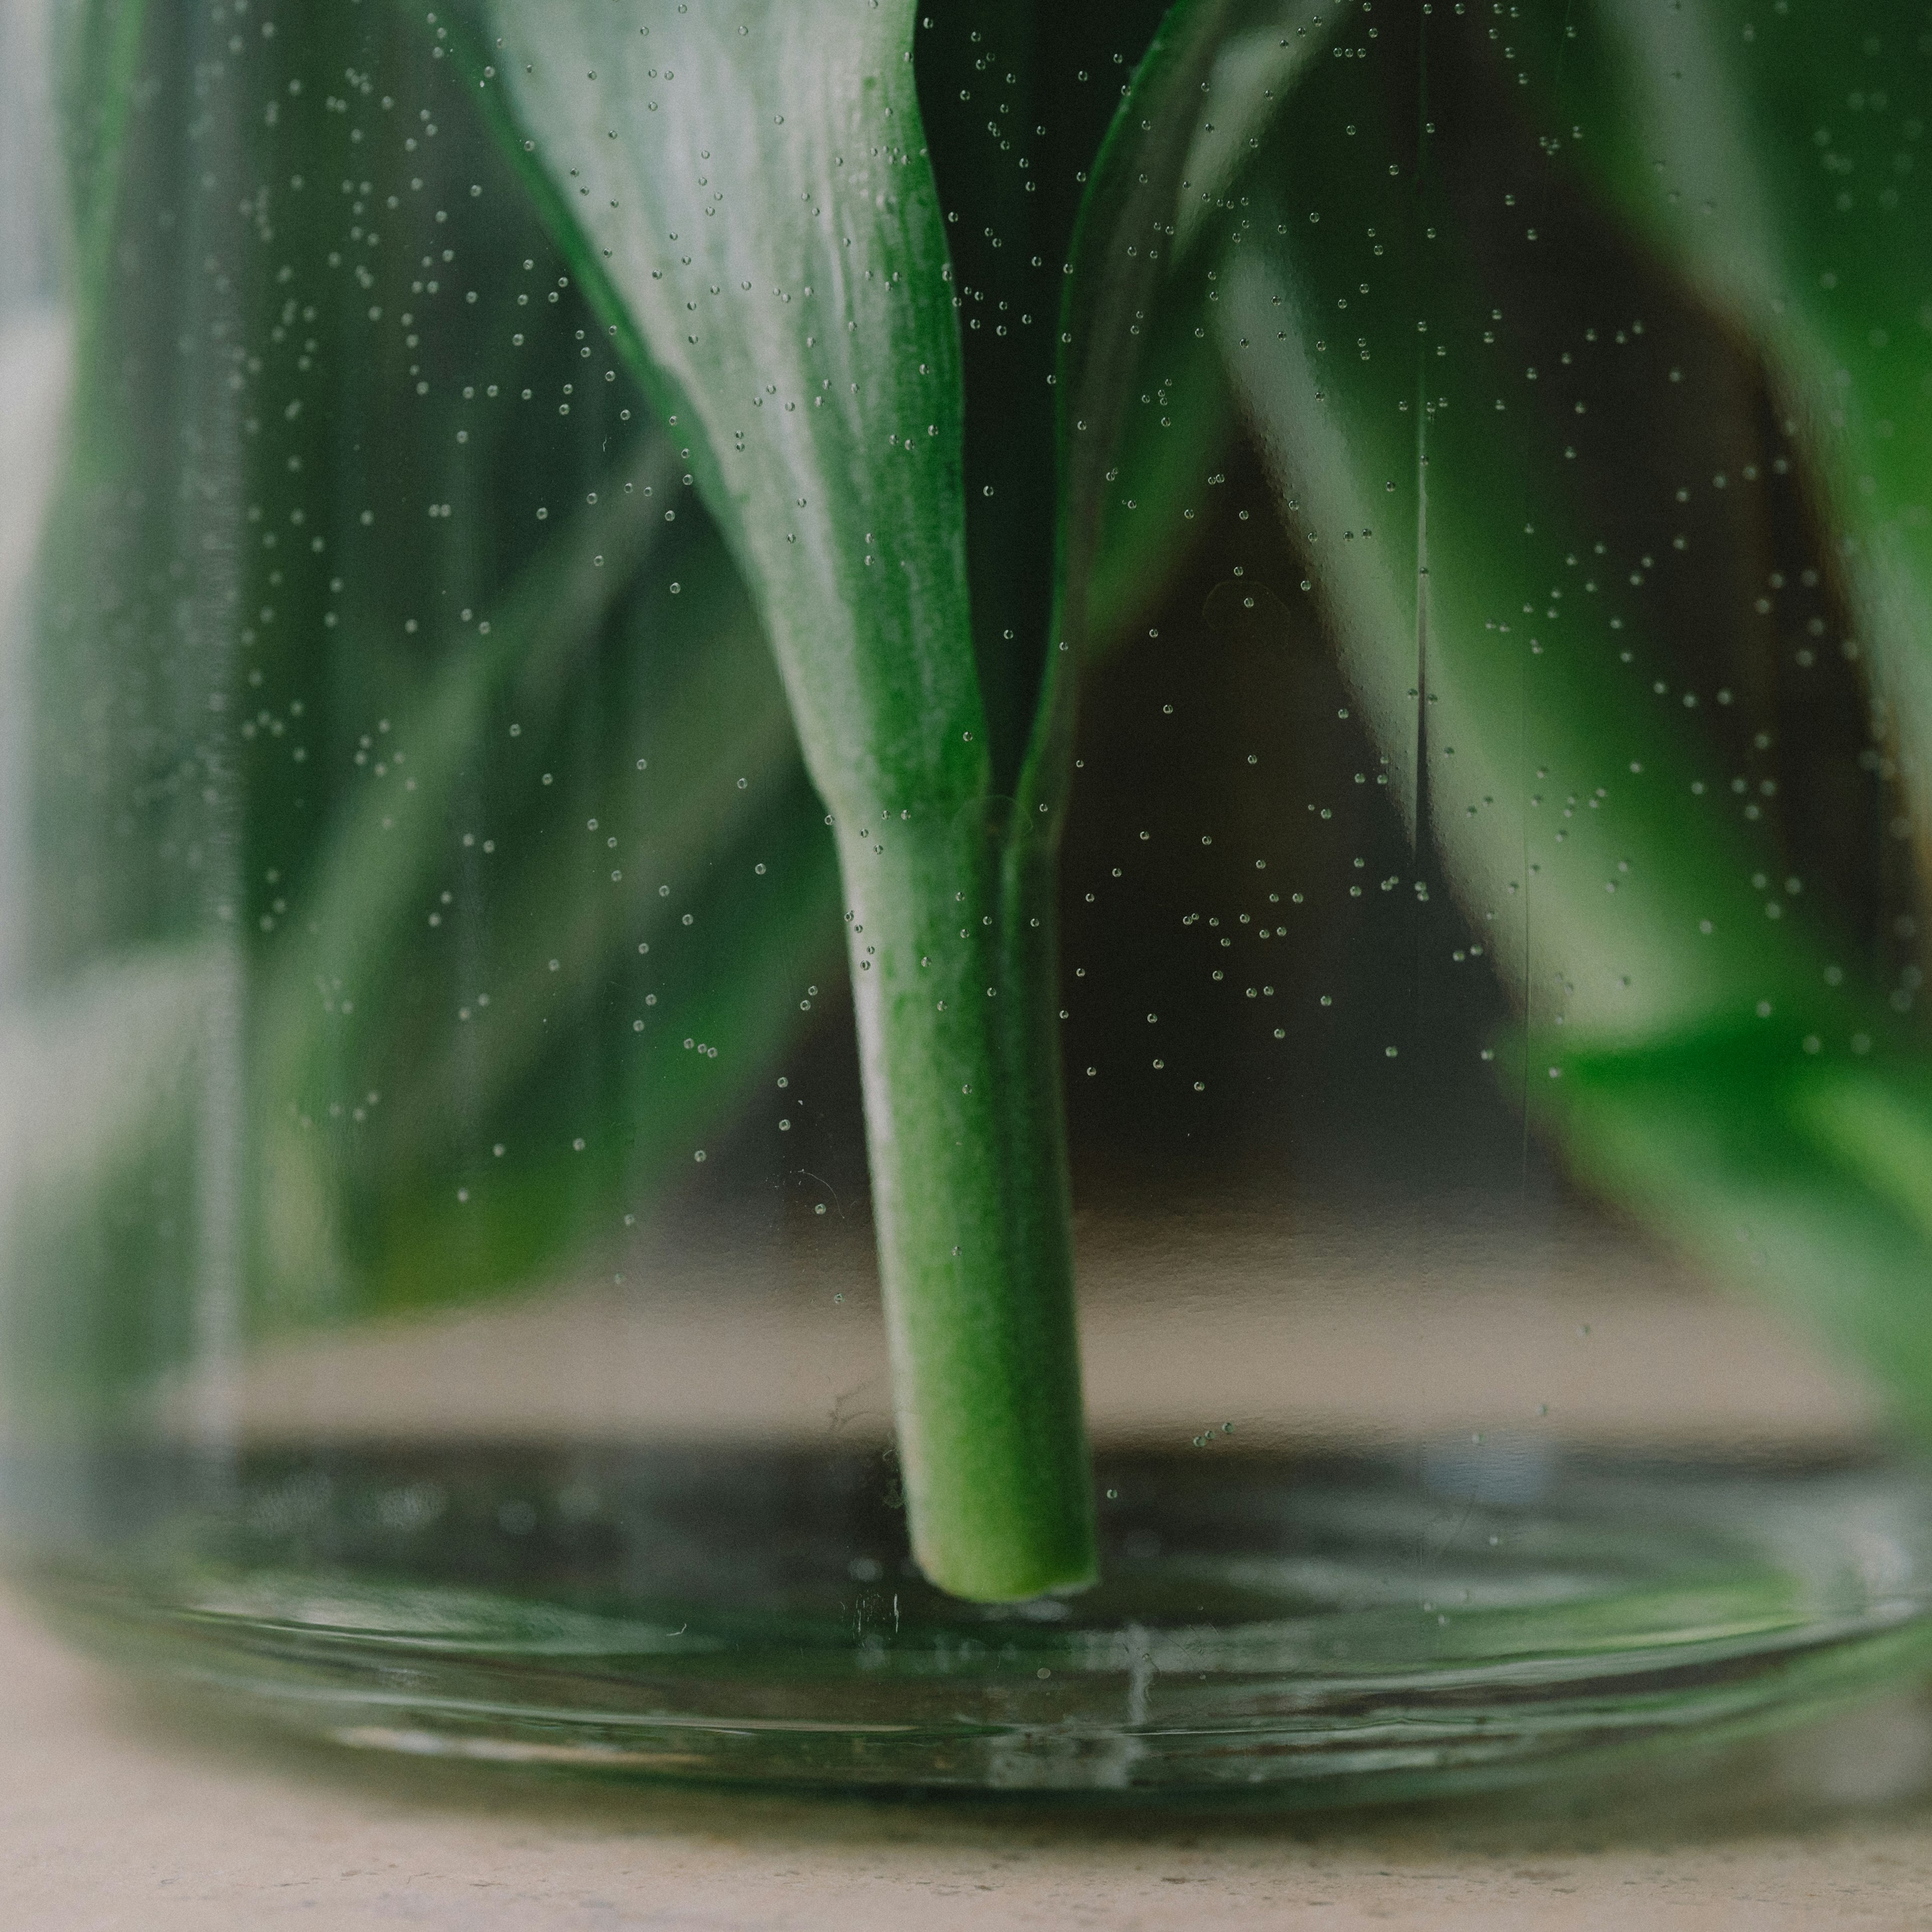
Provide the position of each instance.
(425, 1002)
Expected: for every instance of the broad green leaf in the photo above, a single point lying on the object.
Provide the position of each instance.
(362, 498)
(1501, 665)
(1688, 1037)
(755, 186)
(1119, 241)
(1143, 408)
(1776, 161)
(606, 1120)
(387, 846)
(1179, 424)
(1797, 1180)
(1878, 1121)
(754, 181)
(355, 1209)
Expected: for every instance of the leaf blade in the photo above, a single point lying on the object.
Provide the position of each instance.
(810, 348)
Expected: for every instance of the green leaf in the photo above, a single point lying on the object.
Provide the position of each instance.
(753, 180)
(1687, 1038)
(1796, 1180)
(1138, 314)
(1770, 159)
(360, 997)
(753, 184)
(382, 853)
(600, 1121)
(329, 635)
(1436, 507)
(1178, 426)
(1119, 242)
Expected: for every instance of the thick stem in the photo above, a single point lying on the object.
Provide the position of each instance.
(954, 967)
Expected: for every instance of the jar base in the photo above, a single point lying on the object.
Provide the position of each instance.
(1330, 1628)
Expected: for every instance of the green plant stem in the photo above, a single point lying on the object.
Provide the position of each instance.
(954, 963)
(801, 335)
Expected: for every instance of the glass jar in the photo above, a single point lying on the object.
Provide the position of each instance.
(462, 526)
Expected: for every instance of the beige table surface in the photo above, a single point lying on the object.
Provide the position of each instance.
(115, 1814)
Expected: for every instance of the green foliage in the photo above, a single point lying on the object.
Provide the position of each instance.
(753, 179)
(1771, 159)
(754, 191)
(772, 233)
(307, 648)
(1691, 1038)
(735, 415)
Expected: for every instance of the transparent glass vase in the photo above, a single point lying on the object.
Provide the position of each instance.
(441, 1308)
